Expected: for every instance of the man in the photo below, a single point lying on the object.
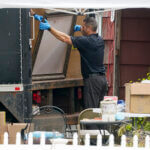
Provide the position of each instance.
(91, 48)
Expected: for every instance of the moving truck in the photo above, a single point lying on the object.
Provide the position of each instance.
(18, 79)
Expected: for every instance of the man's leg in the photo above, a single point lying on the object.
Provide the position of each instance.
(95, 89)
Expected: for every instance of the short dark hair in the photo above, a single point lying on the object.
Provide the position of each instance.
(90, 21)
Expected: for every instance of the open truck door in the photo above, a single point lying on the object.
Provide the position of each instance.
(15, 62)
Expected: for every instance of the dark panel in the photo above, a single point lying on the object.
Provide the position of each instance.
(121, 93)
(10, 71)
(26, 51)
(26, 65)
(135, 43)
(132, 73)
(9, 32)
(135, 29)
(136, 13)
(10, 55)
(13, 101)
(135, 53)
(19, 104)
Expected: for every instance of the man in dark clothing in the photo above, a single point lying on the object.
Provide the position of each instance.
(91, 48)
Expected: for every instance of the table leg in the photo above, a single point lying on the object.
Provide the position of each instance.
(134, 122)
(136, 119)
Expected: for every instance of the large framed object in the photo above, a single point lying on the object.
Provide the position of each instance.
(51, 56)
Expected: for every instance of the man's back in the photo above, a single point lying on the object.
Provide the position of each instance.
(91, 49)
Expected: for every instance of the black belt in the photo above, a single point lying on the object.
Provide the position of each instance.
(94, 75)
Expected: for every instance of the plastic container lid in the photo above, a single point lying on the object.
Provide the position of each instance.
(121, 102)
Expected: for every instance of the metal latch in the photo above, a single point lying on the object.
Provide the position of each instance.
(33, 34)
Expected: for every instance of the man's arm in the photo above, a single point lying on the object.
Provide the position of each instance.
(61, 36)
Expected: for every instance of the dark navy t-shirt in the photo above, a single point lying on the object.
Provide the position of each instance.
(91, 50)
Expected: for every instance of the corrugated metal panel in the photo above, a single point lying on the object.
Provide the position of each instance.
(107, 14)
(108, 58)
(108, 36)
(108, 29)
(110, 91)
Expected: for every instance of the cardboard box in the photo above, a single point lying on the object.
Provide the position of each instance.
(2, 118)
(3, 126)
(137, 97)
(13, 129)
(3, 129)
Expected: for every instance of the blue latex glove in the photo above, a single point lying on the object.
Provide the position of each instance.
(44, 25)
(77, 28)
(38, 17)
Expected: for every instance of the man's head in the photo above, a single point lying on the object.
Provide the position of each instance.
(89, 26)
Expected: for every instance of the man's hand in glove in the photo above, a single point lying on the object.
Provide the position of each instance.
(77, 28)
(45, 25)
(38, 17)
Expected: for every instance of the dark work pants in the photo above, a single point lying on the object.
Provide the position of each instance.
(95, 88)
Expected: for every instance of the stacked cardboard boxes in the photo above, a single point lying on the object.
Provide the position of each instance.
(12, 129)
